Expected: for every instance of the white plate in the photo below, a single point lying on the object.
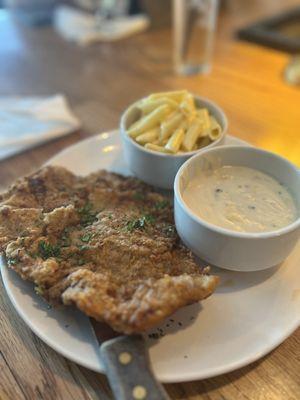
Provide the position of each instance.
(248, 316)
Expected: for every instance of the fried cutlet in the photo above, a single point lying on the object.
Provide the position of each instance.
(105, 243)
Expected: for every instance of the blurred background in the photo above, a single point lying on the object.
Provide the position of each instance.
(101, 55)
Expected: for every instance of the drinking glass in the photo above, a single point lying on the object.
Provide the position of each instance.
(194, 24)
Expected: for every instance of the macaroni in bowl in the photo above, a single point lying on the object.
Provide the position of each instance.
(171, 123)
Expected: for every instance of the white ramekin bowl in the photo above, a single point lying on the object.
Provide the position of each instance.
(238, 251)
(159, 169)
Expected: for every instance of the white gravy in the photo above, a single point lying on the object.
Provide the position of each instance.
(241, 199)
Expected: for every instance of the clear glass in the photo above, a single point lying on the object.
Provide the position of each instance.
(194, 24)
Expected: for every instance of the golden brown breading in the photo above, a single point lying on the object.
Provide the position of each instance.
(105, 243)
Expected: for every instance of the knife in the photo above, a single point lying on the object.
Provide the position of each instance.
(127, 365)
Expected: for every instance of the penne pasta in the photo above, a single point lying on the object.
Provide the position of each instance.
(176, 95)
(175, 140)
(187, 106)
(155, 147)
(134, 125)
(149, 136)
(170, 122)
(146, 106)
(192, 134)
(184, 124)
(215, 129)
(149, 121)
(203, 115)
(168, 126)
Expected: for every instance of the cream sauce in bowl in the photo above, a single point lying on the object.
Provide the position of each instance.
(240, 199)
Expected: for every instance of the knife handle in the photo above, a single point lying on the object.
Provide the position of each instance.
(127, 366)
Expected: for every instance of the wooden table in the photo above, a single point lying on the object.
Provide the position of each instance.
(100, 81)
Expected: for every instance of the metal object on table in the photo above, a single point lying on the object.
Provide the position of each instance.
(127, 365)
(281, 32)
(194, 23)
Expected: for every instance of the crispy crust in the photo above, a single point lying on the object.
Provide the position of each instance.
(105, 243)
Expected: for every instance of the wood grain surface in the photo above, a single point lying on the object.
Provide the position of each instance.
(100, 81)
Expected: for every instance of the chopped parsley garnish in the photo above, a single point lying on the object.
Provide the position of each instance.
(86, 237)
(138, 196)
(161, 204)
(47, 250)
(65, 239)
(149, 219)
(12, 260)
(169, 230)
(39, 290)
(87, 214)
(84, 247)
(140, 223)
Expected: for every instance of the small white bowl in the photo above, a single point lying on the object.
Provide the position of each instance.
(237, 251)
(159, 169)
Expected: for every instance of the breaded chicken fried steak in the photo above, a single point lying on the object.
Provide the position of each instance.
(105, 243)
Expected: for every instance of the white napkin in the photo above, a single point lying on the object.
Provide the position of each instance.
(28, 121)
(85, 28)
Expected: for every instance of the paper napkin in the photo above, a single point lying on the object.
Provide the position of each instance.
(28, 121)
(85, 28)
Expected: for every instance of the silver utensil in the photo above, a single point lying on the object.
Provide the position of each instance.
(127, 365)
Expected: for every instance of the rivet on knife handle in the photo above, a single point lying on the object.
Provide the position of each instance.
(128, 369)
